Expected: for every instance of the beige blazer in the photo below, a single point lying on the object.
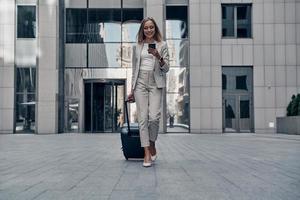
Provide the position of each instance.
(159, 71)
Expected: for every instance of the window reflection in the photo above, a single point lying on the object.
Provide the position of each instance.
(129, 31)
(178, 51)
(176, 23)
(237, 78)
(73, 115)
(104, 55)
(124, 57)
(227, 21)
(76, 21)
(25, 112)
(177, 80)
(241, 83)
(177, 112)
(244, 21)
(26, 79)
(104, 25)
(26, 22)
(236, 20)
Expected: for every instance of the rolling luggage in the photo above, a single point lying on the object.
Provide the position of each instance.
(130, 138)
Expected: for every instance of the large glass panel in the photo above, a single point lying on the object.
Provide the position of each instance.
(108, 108)
(177, 112)
(126, 53)
(104, 25)
(228, 21)
(73, 115)
(178, 51)
(244, 21)
(26, 22)
(230, 114)
(237, 79)
(76, 29)
(176, 23)
(245, 119)
(177, 80)
(176, 29)
(25, 112)
(88, 106)
(129, 31)
(26, 81)
(98, 111)
(105, 55)
(132, 14)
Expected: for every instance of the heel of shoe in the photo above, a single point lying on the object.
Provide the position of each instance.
(145, 164)
(153, 158)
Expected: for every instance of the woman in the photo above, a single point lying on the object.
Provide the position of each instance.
(149, 68)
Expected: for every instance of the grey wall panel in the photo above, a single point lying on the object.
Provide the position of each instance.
(105, 4)
(75, 55)
(75, 3)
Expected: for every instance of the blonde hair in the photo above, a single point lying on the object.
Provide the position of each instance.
(140, 35)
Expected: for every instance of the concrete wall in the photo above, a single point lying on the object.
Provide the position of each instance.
(289, 125)
(273, 52)
(7, 57)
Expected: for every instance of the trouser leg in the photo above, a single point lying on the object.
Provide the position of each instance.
(155, 95)
(141, 95)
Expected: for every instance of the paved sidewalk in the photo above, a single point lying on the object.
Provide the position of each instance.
(189, 167)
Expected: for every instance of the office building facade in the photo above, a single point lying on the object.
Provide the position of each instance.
(65, 65)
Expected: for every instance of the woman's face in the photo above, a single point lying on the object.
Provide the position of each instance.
(149, 29)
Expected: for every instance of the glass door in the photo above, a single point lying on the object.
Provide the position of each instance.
(237, 115)
(104, 106)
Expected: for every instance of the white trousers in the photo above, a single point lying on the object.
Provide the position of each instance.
(148, 103)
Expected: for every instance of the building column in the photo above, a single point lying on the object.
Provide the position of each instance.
(47, 87)
(7, 72)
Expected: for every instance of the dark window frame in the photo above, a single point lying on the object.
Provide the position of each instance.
(24, 34)
(235, 20)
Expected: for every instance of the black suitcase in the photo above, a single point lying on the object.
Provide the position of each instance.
(130, 138)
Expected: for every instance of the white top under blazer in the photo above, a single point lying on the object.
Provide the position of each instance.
(147, 59)
(159, 71)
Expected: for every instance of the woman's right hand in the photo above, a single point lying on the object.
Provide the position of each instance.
(130, 97)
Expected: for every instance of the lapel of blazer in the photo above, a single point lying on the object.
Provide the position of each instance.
(139, 49)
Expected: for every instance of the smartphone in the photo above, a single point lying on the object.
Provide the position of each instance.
(151, 46)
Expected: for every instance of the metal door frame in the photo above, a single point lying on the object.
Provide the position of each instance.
(237, 97)
(112, 83)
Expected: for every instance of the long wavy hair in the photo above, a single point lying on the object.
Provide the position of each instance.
(141, 36)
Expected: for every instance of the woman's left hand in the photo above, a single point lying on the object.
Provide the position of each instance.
(154, 52)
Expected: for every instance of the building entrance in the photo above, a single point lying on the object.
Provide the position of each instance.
(237, 99)
(104, 105)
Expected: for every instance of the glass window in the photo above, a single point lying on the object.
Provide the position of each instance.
(243, 21)
(178, 75)
(227, 21)
(104, 25)
(177, 112)
(236, 20)
(178, 52)
(108, 26)
(176, 23)
(26, 80)
(104, 55)
(132, 14)
(241, 82)
(25, 113)
(237, 78)
(26, 27)
(76, 29)
(25, 99)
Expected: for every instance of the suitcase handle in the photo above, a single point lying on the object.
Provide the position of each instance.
(127, 116)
